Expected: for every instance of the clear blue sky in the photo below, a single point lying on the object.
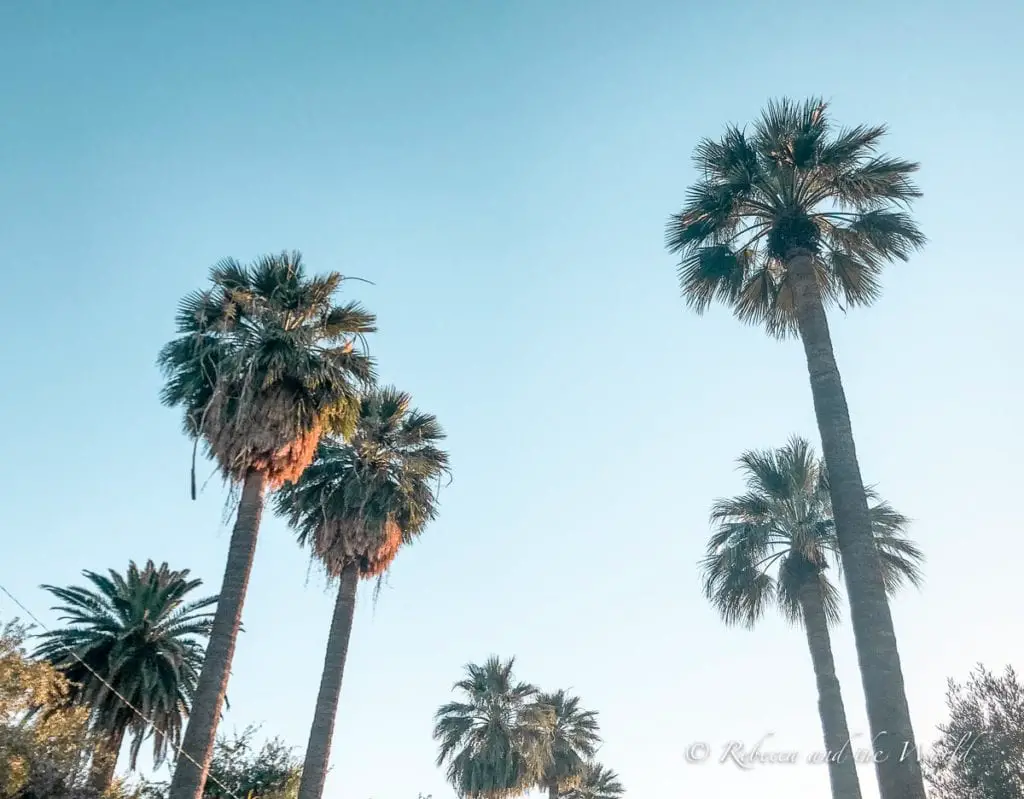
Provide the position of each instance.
(502, 172)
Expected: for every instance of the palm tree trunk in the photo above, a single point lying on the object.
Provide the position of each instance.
(193, 764)
(896, 763)
(842, 769)
(318, 749)
(104, 761)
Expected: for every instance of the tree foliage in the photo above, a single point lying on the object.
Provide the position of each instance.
(597, 782)
(791, 184)
(361, 500)
(980, 753)
(495, 739)
(264, 362)
(42, 755)
(778, 535)
(573, 741)
(140, 634)
(244, 770)
(505, 738)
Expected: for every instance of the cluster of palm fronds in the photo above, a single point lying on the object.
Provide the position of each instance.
(504, 737)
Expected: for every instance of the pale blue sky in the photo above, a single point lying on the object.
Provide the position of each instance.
(502, 172)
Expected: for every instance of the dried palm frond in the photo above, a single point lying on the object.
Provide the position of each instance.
(272, 433)
(372, 547)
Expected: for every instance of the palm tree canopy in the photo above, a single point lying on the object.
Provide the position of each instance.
(770, 541)
(598, 783)
(495, 740)
(792, 185)
(360, 500)
(140, 634)
(264, 361)
(574, 739)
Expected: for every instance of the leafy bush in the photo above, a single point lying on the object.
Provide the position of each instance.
(239, 769)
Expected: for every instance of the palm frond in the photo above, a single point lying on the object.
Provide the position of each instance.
(598, 783)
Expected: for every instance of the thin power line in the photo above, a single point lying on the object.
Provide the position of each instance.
(149, 722)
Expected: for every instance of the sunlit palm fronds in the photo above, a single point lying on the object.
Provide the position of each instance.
(262, 363)
(360, 500)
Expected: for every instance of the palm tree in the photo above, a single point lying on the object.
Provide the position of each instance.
(574, 740)
(774, 545)
(496, 741)
(356, 506)
(263, 363)
(784, 221)
(598, 783)
(133, 645)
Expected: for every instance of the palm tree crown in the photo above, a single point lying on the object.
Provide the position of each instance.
(495, 740)
(574, 740)
(141, 635)
(792, 185)
(361, 500)
(598, 782)
(769, 542)
(262, 363)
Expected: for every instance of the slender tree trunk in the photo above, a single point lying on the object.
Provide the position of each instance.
(318, 749)
(896, 763)
(193, 763)
(553, 791)
(104, 761)
(842, 768)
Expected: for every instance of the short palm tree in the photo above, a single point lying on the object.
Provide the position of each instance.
(263, 363)
(774, 545)
(356, 506)
(598, 782)
(137, 637)
(574, 740)
(786, 220)
(496, 738)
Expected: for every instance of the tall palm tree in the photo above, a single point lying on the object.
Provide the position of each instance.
(784, 221)
(496, 740)
(356, 506)
(137, 637)
(264, 361)
(574, 740)
(774, 545)
(598, 782)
